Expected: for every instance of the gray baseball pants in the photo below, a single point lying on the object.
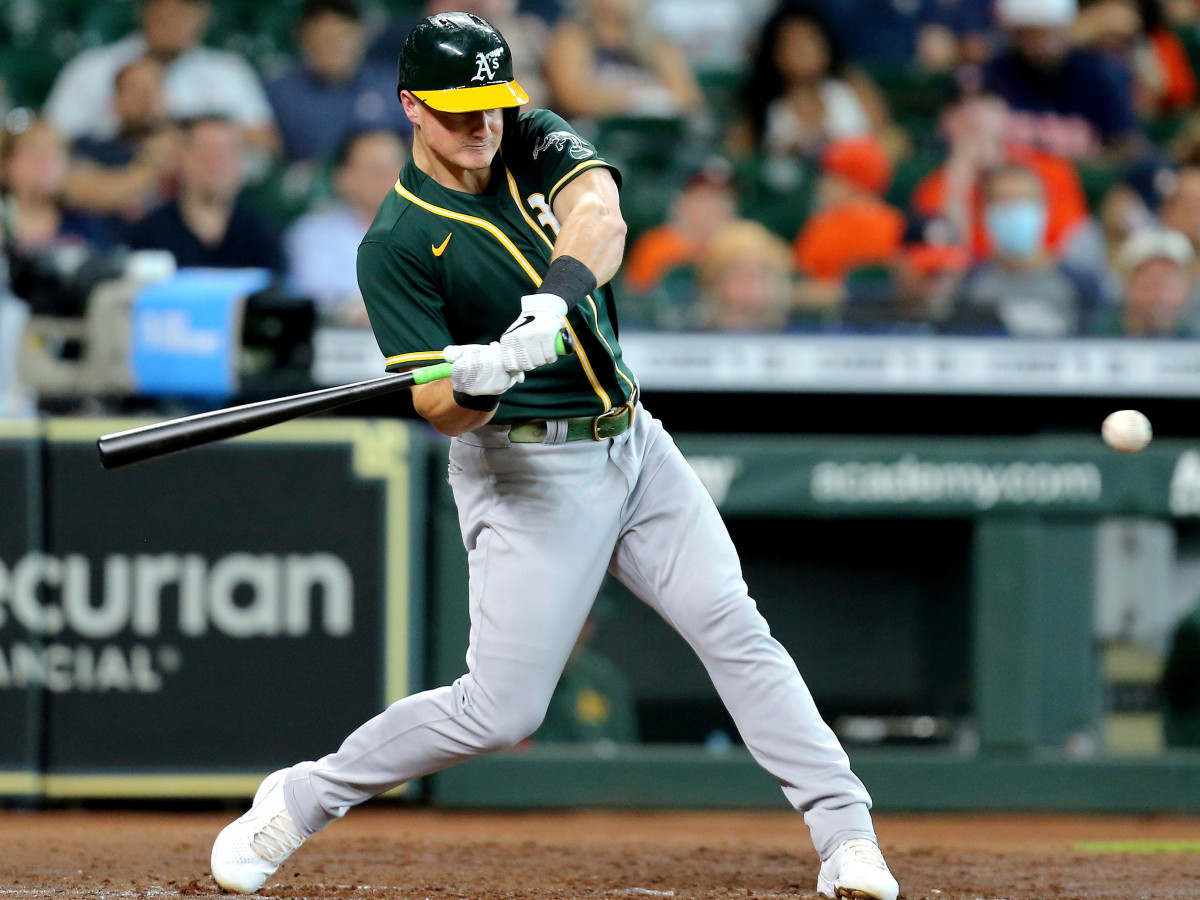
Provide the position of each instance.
(542, 523)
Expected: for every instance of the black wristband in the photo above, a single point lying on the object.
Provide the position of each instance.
(477, 402)
(570, 279)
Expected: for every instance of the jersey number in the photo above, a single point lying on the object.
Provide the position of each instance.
(537, 202)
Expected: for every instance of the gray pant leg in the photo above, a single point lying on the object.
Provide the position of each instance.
(539, 524)
(676, 555)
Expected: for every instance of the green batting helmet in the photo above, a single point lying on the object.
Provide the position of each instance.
(457, 62)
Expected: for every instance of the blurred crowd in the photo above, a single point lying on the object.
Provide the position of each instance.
(982, 167)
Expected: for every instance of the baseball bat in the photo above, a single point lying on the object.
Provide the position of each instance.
(124, 448)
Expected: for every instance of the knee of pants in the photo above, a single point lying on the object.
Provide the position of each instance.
(503, 727)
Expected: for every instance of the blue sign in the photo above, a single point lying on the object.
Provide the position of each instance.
(186, 332)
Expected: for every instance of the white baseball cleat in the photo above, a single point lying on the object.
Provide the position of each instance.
(249, 850)
(856, 871)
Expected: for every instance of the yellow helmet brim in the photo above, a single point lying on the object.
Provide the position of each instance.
(471, 99)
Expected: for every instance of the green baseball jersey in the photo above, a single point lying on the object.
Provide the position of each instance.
(439, 267)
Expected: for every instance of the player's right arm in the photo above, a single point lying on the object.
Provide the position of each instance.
(408, 316)
(469, 397)
(435, 403)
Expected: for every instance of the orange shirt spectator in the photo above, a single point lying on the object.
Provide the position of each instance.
(1179, 81)
(859, 233)
(707, 203)
(1065, 200)
(853, 227)
(658, 251)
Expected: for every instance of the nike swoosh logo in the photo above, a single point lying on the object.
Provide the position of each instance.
(524, 321)
(438, 251)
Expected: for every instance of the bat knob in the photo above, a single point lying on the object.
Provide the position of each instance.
(565, 345)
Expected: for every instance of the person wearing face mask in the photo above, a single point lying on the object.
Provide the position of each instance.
(1030, 293)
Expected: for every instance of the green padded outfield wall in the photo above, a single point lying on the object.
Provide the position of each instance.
(1027, 508)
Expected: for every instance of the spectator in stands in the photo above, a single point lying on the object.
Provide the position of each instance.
(1130, 205)
(1181, 213)
(1156, 271)
(1028, 291)
(46, 242)
(198, 81)
(1065, 99)
(852, 227)
(15, 399)
(853, 232)
(604, 62)
(976, 129)
(132, 172)
(898, 32)
(33, 165)
(745, 281)
(332, 91)
(800, 93)
(707, 203)
(322, 246)
(1181, 208)
(207, 225)
(928, 275)
(524, 31)
(921, 295)
(1134, 35)
(714, 35)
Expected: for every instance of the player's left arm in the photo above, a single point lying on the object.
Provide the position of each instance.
(593, 229)
(587, 254)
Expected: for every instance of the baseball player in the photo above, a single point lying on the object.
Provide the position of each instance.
(504, 228)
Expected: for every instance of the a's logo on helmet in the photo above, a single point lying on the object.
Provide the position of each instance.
(486, 64)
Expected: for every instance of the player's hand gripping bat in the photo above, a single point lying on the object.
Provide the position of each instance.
(124, 448)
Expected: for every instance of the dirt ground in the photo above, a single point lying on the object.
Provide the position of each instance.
(395, 853)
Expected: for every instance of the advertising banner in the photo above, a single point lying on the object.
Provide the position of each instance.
(957, 477)
(197, 621)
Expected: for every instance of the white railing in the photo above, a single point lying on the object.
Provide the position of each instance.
(840, 364)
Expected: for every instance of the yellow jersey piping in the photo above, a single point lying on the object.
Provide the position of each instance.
(472, 220)
(419, 356)
(521, 260)
(512, 189)
(586, 164)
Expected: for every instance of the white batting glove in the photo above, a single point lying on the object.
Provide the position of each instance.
(478, 369)
(529, 341)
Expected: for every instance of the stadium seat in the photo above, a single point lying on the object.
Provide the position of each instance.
(29, 72)
(909, 173)
(916, 98)
(1097, 177)
(289, 191)
(777, 193)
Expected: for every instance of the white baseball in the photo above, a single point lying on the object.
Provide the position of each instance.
(1126, 430)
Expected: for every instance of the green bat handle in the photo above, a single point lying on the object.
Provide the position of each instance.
(562, 346)
(432, 373)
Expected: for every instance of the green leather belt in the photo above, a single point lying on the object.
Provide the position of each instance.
(614, 422)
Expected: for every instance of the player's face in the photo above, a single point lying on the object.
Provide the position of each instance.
(466, 141)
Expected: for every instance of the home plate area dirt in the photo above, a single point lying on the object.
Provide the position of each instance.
(396, 853)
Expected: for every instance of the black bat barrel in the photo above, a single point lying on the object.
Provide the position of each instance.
(124, 448)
